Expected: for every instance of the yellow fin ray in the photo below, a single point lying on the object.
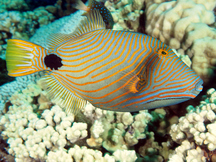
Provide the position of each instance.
(23, 57)
(65, 98)
(94, 21)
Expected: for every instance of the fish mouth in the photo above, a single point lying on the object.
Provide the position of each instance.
(198, 86)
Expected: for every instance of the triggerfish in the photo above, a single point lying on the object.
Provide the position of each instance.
(113, 70)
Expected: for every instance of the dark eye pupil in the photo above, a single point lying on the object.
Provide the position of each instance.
(164, 53)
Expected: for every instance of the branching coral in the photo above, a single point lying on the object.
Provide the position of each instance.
(10, 88)
(31, 136)
(196, 131)
(13, 5)
(168, 21)
(126, 13)
(89, 155)
(118, 130)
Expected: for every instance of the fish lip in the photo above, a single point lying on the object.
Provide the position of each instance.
(199, 86)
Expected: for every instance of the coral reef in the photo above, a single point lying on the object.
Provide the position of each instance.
(64, 25)
(196, 131)
(13, 5)
(10, 88)
(30, 136)
(117, 130)
(85, 154)
(126, 13)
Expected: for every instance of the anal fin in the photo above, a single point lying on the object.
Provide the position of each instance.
(62, 96)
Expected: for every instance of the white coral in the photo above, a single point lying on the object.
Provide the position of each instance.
(125, 12)
(198, 126)
(125, 155)
(30, 136)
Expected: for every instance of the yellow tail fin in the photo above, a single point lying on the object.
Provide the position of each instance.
(23, 57)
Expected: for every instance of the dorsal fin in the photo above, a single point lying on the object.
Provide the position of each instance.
(93, 21)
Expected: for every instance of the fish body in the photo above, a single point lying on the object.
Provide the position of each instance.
(113, 70)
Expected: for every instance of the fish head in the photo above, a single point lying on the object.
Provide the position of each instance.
(169, 80)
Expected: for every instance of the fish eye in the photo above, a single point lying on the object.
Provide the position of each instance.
(162, 52)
